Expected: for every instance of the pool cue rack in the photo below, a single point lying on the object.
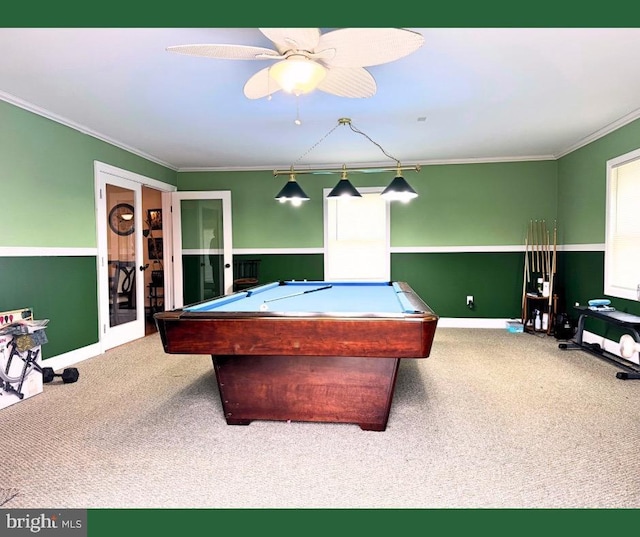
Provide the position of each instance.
(539, 302)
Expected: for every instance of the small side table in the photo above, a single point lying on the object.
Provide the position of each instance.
(156, 298)
(540, 303)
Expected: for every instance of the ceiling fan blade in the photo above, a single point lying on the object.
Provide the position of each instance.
(260, 85)
(293, 38)
(348, 82)
(362, 47)
(227, 52)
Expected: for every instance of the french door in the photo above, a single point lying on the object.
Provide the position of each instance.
(120, 261)
(202, 246)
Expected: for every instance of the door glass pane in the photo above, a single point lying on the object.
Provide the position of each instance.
(121, 246)
(202, 249)
(153, 252)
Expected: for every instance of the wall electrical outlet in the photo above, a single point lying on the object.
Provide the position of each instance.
(469, 300)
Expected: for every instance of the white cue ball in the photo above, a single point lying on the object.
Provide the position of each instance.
(264, 307)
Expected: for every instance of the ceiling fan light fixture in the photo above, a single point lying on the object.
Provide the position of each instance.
(297, 74)
(399, 190)
(292, 192)
(342, 55)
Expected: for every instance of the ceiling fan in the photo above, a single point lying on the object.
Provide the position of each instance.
(306, 59)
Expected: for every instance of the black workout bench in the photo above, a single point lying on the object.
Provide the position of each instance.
(625, 320)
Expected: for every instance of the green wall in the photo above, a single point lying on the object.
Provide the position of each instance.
(582, 185)
(50, 168)
(444, 280)
(61, 289)
(259, 221)
(458, 205)
(475, 204)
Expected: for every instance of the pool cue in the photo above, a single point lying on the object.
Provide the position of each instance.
(533, 250)
(538, 260)
(545, 272)
(548, 253)
(526, 274)
(545, 235)
(540, 249)
(545, 249)
(553, 267)
(548, 256)
(526, 244)
(298, 294)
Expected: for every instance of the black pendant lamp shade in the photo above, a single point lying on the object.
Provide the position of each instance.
(399, 189)
(344, 188)
(292, 192)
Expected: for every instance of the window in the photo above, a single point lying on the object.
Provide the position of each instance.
(622, 242)
(357, 237)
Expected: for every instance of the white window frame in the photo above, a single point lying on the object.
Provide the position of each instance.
(338, 261)
(623, 245)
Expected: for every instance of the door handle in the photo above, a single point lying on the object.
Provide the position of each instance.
(144, 267)
(227, 265)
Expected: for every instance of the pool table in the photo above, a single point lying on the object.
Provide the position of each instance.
(317, 351)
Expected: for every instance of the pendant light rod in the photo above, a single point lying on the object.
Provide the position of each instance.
(340, 170)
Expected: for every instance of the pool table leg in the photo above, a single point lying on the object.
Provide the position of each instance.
(363, 426)
(231, 421)
(333, 389)
(373, 426)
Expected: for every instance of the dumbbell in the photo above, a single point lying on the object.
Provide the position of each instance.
(68, 375)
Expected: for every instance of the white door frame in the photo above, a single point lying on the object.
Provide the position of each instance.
(104, 174)
(227, 238)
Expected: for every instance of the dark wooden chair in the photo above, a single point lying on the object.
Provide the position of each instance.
(123, 285)
(245, 273)
(156, 291)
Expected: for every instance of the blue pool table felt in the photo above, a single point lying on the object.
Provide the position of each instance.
(341, 297)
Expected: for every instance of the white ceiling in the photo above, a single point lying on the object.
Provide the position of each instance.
(469, 94)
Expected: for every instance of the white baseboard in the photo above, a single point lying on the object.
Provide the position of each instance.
(463, 322)
(72, 357)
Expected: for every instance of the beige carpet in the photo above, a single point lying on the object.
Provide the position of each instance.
(489, 420)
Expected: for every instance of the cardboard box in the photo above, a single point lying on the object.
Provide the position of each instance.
(20, 357)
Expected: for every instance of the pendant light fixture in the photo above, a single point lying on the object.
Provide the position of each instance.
(344, 188)
(292, 192)
(398, 189)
